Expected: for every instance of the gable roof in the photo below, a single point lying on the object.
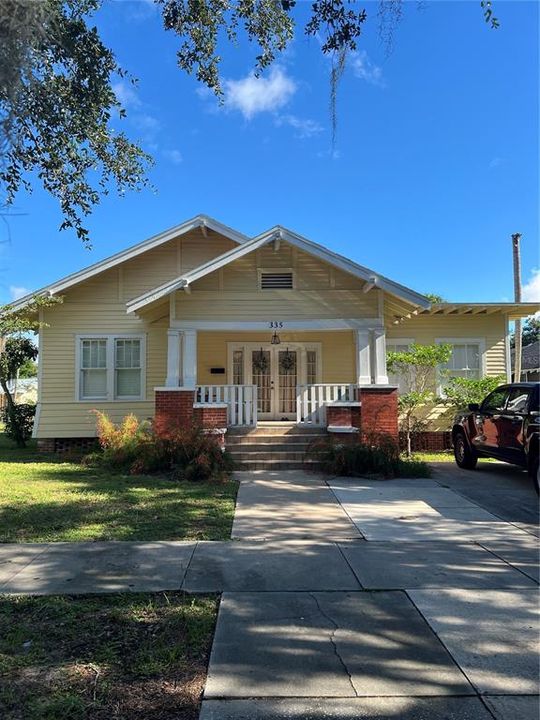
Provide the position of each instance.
(142, 247)
(276, 234)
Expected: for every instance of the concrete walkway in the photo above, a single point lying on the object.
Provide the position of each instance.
(372, 600)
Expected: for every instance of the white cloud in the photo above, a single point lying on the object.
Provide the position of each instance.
(17, 292)
(146, 122)
(126, 94)
(175, 156)
(531, 290)
(252, 95)
(305, 128)
(367, 70)
(495, 162)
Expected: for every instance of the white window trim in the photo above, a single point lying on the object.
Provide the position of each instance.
(398, 341)
(481, 342)
(277, 271)
(110, 338)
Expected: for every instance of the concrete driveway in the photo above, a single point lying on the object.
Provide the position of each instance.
(504, 490)
(433, 615)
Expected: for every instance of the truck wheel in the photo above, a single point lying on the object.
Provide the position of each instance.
(534, 471)
(464, 455)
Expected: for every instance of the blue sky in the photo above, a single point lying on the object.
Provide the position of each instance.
(435, 162)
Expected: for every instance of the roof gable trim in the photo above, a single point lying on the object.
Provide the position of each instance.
(202, 221)
(279, 233)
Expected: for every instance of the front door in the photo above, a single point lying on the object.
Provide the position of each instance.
(274, 370)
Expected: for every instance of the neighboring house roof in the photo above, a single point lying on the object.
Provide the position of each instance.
(203, 221)
(277, 234)
(530, 356)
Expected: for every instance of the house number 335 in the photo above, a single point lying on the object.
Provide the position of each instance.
(276, 323)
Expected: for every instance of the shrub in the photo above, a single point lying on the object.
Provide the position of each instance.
(135, 447)
(193, 454)
(19, 422)
(376, 456)
(120, 443)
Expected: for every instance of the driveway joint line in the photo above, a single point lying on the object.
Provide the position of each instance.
(182, 584)
(514, 567)
(349, 564)
(473, 687)
(342, 506)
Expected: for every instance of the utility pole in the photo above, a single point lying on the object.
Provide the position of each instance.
(516, 254)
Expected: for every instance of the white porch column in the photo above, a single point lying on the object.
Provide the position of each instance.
(379, 357)
(173, 358)
(363, 357)
(189, 359)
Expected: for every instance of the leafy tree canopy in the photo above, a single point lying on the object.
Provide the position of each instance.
(56, 75)
(434, 298)
(530, 332)
(417, 367)
(459, 392)
(17, 350)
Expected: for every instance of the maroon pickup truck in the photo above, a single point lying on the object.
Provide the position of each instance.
(505, 426)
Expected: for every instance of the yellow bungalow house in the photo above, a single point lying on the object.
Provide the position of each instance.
(270, 329)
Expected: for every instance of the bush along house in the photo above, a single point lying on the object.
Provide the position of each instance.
(254, 338)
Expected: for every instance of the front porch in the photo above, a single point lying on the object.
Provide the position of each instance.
(291, 372)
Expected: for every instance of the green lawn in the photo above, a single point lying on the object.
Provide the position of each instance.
(445, 456)
(99, 657)
(44, 498)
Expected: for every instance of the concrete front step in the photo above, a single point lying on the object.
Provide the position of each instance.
(277, 465)
(241, 456)
(282, 430)
(262, 444)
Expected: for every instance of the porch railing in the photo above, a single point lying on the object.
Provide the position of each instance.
(241, 401)
(311, 400)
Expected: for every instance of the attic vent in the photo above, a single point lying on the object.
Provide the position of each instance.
(276, 281)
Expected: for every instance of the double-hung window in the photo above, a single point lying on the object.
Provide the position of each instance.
(111, 367)
(466, 360)
(398, 345)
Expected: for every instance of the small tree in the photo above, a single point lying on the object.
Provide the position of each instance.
(417, 368)
(16, 349)
(461, 391)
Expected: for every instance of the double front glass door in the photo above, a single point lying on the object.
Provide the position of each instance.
(274, 370)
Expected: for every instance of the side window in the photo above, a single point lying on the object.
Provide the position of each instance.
(398, 378)
(496, 401)
(518, 400)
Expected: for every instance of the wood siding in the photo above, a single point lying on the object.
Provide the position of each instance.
(98, 306)
(232, 293)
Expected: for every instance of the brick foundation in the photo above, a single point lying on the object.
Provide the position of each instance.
(174, 408)
(428, 441)
(67, 445)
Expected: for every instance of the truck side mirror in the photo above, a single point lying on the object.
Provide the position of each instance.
(474, 407)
